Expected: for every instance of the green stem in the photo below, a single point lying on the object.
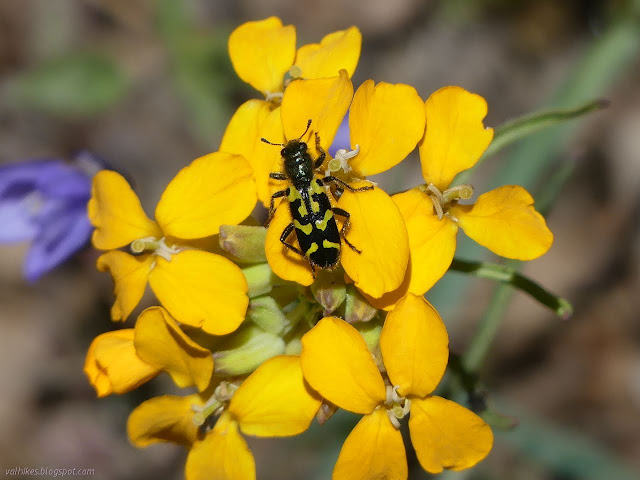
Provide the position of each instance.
(510, 276)
(519, 128)
(487, 329)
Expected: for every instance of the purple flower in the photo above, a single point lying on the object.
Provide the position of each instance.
(342, 138)
(45, 202)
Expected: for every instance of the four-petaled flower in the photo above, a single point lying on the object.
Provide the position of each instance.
(122, 360)
(386, 123)
(199, 288)
(414, 349)
(264, 55)
(274, 401)
(502, 220)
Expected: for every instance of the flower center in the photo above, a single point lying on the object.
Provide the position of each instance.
(443, 200)
(215, 405)
(397, 407)
(34, 201)
(156, 246)
(341, 160)
(294, 73)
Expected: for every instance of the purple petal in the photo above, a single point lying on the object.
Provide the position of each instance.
(51, 177)
(342, 138)
(61, 234)
(17, 220)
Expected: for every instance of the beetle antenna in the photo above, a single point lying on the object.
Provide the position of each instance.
(305, 132)
(270, 143)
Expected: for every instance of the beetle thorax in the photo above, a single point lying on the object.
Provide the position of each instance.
(298, 164)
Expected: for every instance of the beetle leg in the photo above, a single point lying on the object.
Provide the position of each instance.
(272, 208)
(278, 176)
(283, 238)
(320, 160)
(343, 184)
(345, 227)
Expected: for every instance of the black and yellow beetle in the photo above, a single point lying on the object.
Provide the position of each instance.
(313, 216)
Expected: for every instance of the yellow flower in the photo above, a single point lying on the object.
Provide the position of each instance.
(122, 360)
(503, 220)
(264, 55)
(112, 365)
(414, 347)
(386, 123)
(199, 288)
(274, 401)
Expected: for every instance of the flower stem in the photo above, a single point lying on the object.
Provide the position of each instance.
(510, 276)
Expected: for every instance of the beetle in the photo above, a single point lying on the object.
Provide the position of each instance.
(313, 216)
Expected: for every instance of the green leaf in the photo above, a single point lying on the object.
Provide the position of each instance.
(80, 84)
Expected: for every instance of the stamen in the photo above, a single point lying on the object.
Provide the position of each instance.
(397, 406)
(165, 251)
(394, 420)
(271, 96)
(216, 403)
(394, 395)
(341, 160)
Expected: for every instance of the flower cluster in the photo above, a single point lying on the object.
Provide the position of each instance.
(264, 342)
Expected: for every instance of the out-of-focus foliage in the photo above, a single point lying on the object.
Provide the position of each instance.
(77, 84)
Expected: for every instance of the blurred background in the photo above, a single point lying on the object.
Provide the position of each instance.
(148, 86)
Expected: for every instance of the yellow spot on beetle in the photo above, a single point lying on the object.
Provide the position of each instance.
(322, 224)
(305, 228)
(328, 244)
(312, 248)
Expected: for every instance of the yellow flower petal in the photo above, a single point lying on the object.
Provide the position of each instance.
(115, 211)
(275, 401)
(217, 189)
(168, 418)
(455, 137)
(253, 120)
(160, 342)
(373, 450)
(130, 276)
(324, 101)
(447, 435)
(505, 221)
(432, 242)
(201, 289)
(415, 346)
(377, 229)
(387, 122)
(222, 455)
(262, 52)
(336, 51)
(286, 264)
(112, 365)
(338, 365)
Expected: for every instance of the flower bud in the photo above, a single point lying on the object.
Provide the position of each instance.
(260, 279)
(244, 242)
(265, 312)
(357, 309)
(328, 292)
(243, 351)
